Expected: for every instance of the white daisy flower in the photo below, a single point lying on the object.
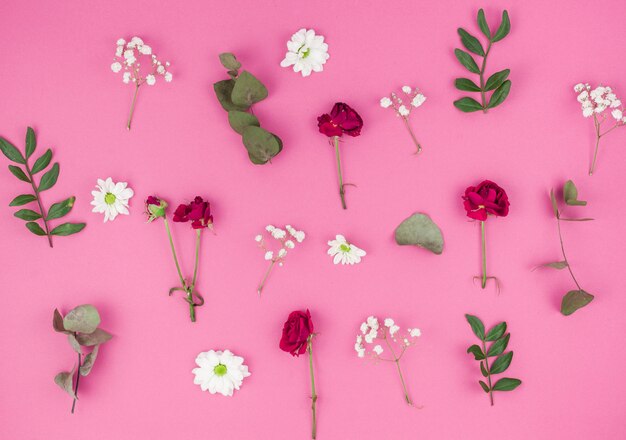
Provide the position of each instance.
(344, 252)
(111, 198)
(219, 372)
(306, 52)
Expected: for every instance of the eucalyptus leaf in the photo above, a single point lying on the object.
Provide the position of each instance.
(229, 61)
(419, 230)
(17, 172)
(585, 219)
(498, 347)
(466, 60)
(466, 85)
(68, 229)
(574, 300)
(57, 322)
(223, 91)
(83, 319)
(49, 178)
(559, 265)
(12, 153)
(468, 105)
(501, 363)
(42, 162)
(496, 80)
(31, 142)
(248, 90)
(66, 382)
(482, 24)
(477, 326)
(506, 384)
(470, 42)
(90, 359)
(22, 200)
(500, 94)
(570, 194)
(97, 337)
(504, 29)
(239, 120)
(27, 214)
(496, 332)
(477, 352)
(484, 386)
(74, 343)
(60, 209)
(555, 206)
(261, 144)
(35, 228)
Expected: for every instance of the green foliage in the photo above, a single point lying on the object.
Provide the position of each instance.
(47, 181)
(498, 82)
(237, 95)
(419, 230)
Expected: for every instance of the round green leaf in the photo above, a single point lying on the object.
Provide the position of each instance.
(65, 381)
(574, 300)
(83, 319)
(223, 91)
(239, 120)
(261, 144)
(229, 61)
(420, 230)
(97, 337)
(248, 90)
(570, 194)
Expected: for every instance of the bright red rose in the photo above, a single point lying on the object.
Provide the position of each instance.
(296, 332)
(155, 208)
(198, 212)
(486, 198)
(342, 119)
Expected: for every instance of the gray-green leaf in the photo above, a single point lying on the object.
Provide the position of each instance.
(504, 29)
(57, 322)
(470, 42)
(83, 319)
(499, 346)
(97, 337)
(420, 230)
(68, 229)
(500, 94)
(74, 343)
(468, 105)
(229, 61)
(35, 228)
(496, 80)
(477, 352)
(49, 178)
(554, 265)
(501, 363)
(42, 162)
(477, 326)
(17, 172)
(12, 153)
(570, 194)
(482, 24)
(27, 214)
(555, 206)
(22, 200)
(223, 91)
(506, 384)
(90, 359)
(239, 120)
(466, 60)
(466, 85)
(261, 144)
(60, 209)
(66, 382)
(574, 300)
(496, 332)
(31, 142)
(248, 90)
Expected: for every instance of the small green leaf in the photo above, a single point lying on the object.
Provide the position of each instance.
(470, 42)
(60, 209)
(248, 90)
(74, 343)
(585, 219)
(483, 370)
(22, 200)
(477, 326)
(574, 300)
(506, 384)
(90, 359)
(554, 265)
(500, 94)
(31, 142)
(482, 24)
(466, 60)
(68, 229)
(555, 206)
(229, 61)
(498, 347)
(223, 91)
(17, 172)
(570, 194)
(419, 230)
(484, 386)
(477, 352)
(65, 381)
(261, 144)
(496, 332)
(12, 153)
(42, 162)
(35, 228)
(496, 80)
(466, 85)
(501, 363)
(49, 178)
(27, 214)
(239, 120)
(468, 105)
(97, 337)
(83, 319)
(504, 29)
(57, 322)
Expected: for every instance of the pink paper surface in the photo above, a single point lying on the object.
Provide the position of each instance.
(56, 77)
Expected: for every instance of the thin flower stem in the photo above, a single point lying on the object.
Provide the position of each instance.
(415, 141)
(341, 190)
(482, 78)
(132, 107)
(396, 359)
(484, 252)
(558, 223)
(169, 235)
(598, 136)
(192, 305)
(77, 382)
(267, 274)
(313, 393)
(38, 197)
(488, 373)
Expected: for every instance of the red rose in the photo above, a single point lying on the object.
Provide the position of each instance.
(296, 332)
(155, 208)
(342, 119)
(486, 198)
(198, 212)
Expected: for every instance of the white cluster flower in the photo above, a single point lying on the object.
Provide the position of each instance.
(372, 332)
(416, 99)
(286, 239)
(127, 56)
(594, 102)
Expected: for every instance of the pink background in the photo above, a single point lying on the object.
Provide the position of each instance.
(56, 77)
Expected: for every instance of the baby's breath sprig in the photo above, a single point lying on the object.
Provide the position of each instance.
(287, 240)
(416, 99)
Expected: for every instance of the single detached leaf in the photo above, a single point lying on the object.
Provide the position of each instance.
(12, 153)
(482, 24)
(223, 91)
(501, 363)
(483, 369)
(496, 332)
(261, 144)
(555, 206)
(35, 228)
(585, 219)
(49, 178)
(477, 326)
(484, 386)
(229, 61)
(466, 85)
(68, 229)
(27, 214)
(504, 29)
(554, 265)
(83, 319)
(248, 90)
(97, 337)
(42, 162)
(574, 300)
(17, 172)
(466, 60)
(90, 359)
(500, 94)
(66, 382)
(57, 322)
(22, 200)
(31, 142)
(470, 42)
(60, 209)
(74, 343)
(496, 80)
(498, 347)
(570, 194)
(420, 230)
(239, 120)
(468, 105)
(506, 384)
(477, 352)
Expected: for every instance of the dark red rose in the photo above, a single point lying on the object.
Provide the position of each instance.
(155, 208)
(486, 198)
(296, 332)
(198, 212)
(342, 119)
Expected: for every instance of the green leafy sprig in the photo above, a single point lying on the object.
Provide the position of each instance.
(237, 95)
(81, 327)
(578, 298)
(47, 181)
(498, 82)
(499, 339)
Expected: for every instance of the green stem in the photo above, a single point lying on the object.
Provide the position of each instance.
(169, 236)
(192, 305)
(482, 78)
(558, 223)
(341, 191)
(415, 141)
(267, 273)
(38, 197)
(313, 394)
(484, 252)
(77, 382)
(488, 373)
(132, 107)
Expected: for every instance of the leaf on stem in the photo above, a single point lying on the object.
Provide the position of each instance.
(17, 172)
(496, 80)
(12, 153)
(83, 319)
(506, 384)
(90, 359)
(42, 162)
(31, 142)
(574, 300)
(223, 91)
(570, 194)
(229, 61)
(49, 178)
(501, 363)
(504, 29)
(22, 200)
(483, 370)
(261, 144)
(57, 322)
(466, 60)
(585, 219)
(60, 209)
(239, 120)
(498, 347)
(477, 352)
(66, 382)
(470, 42)
(466, 85)
(468, 105)
(27, 214)
(559, 265)
(484, 386)
(482, 24)
(68, 229)
(477, 326)
(35, 228)
(419, 230)
(248, 90)
(74, 343)
(496, 332)
(500, 94)
(555, 206)
(97, 337)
